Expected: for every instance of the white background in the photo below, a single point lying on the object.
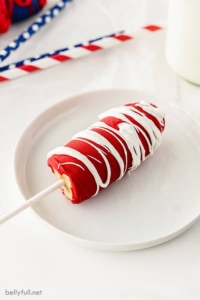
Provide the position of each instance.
(31, 256)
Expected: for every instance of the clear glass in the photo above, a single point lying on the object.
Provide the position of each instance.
(183, 39)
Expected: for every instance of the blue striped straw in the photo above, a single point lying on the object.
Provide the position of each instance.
(33, 29)
(49, 54)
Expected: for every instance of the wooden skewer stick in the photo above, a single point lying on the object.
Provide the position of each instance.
(31, 201)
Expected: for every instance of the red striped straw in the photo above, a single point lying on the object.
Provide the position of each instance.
(50, 60)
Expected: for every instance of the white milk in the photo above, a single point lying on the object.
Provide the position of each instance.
(183, 39)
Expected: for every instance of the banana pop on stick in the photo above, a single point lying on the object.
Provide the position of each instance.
(94, 158)
(103, 153)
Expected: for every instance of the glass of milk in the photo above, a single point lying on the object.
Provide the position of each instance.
(183, 39)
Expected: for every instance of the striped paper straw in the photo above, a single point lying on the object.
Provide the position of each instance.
(29, 60)
(33, 29)
(46, 61)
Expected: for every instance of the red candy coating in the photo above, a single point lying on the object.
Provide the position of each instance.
(83, 184)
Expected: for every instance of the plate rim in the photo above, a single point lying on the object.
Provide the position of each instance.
(92, 244)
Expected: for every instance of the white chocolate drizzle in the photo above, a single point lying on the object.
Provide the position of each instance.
(94, 158)
(128, 132)
(70, 163)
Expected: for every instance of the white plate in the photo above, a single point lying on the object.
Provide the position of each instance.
(157, 202)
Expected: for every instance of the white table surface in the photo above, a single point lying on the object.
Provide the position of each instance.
(33, 257)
